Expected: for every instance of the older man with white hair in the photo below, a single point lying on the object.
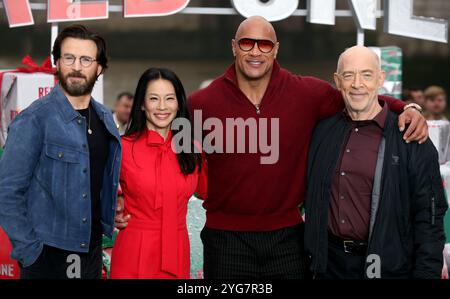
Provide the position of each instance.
(375, 204)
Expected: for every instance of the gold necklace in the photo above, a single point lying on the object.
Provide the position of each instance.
(89, 123)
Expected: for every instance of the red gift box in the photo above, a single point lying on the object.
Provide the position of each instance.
(9, 269)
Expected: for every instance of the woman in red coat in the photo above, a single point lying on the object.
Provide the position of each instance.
(157, 180)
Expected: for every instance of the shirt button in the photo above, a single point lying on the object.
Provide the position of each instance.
(342, 221)
(60, 155)
(342, 196)
(79, 121)
(356, 130)
(347, 150)
(342, 173)
(84, 195)
(83, 245)
(84, 145)
(84, 220)
(84, 170)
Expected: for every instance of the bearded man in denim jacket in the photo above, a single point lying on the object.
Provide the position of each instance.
(60, 168)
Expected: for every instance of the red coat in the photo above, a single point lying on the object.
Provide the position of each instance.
(155, 244)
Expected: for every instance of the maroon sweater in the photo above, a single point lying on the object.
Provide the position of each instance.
(243, 194)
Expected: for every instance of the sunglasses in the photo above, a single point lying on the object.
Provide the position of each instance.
(264, 45)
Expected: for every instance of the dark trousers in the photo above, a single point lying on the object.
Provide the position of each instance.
(54, 263)
(275, 254)
(342, 265)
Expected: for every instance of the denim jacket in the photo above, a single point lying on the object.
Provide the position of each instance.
(45, 178)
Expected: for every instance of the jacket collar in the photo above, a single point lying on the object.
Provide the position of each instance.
(68, 112)
(379, 119)
(391, 120)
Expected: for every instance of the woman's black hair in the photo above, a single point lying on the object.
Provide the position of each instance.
(137, 124)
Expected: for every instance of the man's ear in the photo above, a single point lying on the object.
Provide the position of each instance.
(382, 78)
(233, 47)
(99, 70)
(277, 47)
(337, 81)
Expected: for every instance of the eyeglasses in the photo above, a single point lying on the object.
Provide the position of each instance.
(85, 61)
(264, 45)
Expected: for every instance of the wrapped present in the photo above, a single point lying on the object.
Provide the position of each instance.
(106, 257)
(445, 174)
(439, 133)
(9, 269)
(20, 87)
(391, 63)
(447, 254)
(196, 218)
(107, 245)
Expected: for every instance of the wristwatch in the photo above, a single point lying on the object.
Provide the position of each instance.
(413, 105)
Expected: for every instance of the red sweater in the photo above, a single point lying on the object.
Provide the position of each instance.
(243, 194)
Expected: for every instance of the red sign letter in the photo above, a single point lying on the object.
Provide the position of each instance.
(18, 12)
(74, 10)
(149, 8)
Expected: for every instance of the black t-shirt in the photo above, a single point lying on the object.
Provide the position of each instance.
(98, 143)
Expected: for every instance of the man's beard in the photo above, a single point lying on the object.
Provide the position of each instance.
(77, 89)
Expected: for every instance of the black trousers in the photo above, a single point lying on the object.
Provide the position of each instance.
(275, 254)
(342, 265)
(54, 263)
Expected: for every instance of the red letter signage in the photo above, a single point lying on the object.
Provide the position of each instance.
(149, 8)
(18, 12)
(69, 10)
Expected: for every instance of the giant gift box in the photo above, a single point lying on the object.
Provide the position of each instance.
(439, 132)
(196, 219)
(22, 86)
(9, 269)
(445, 174)
(391, 63)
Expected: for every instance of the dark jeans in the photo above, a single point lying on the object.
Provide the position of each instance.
(275, 254)
(342, 265)
(54, 263)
